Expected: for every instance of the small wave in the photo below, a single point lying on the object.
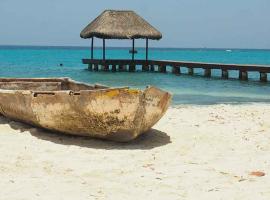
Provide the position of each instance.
(228, 50)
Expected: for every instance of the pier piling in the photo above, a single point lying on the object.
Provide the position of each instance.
(145, 68)
(190, 71)
(113, 68)
(176, 70)
(90, 67)
(263, 77)
(152, 68)
(243, 75)
(207, 72)
(106, 67)
(225, 74)
(95, 67)
(162, 68)
(132, 68)
(121, 68)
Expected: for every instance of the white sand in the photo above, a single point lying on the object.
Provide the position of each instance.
(194, 152)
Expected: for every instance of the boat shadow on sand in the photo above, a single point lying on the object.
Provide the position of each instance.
(152, 139)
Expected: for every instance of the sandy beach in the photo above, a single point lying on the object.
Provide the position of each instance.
(194, 152)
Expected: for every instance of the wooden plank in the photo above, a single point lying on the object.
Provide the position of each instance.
(262, 68)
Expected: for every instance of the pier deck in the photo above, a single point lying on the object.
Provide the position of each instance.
(162, 65)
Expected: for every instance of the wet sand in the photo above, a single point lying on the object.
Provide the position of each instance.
(194, 152)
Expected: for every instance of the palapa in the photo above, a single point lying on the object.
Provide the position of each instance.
(115, 24)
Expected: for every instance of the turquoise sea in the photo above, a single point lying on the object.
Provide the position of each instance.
(19, 61)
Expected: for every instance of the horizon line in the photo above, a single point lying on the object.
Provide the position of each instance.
(119, 47)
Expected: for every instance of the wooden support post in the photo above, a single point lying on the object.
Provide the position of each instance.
(162, 68)
(152, 68)
(225, 74)
(159, 68)
(243, 75)
(207, 72)
(190, 71)
(263, 77)
(106, 67)
(133, 48)
(113, 68)
(145, 68)
(104, 54)
(92, 48)
(90, 67)
(146, 53)
(122, 68)
(96, 67)
(176, 70)
(132, 67)
(240, 75)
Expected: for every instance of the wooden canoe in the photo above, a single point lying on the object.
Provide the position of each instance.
(63, 105)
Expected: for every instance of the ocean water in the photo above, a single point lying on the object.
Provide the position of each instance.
(17, 61)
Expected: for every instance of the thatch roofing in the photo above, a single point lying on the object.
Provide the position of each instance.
(113, 24)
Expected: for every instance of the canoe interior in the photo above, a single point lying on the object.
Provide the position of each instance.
(46, 84)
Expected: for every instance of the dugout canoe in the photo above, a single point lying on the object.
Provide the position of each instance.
(67, 106)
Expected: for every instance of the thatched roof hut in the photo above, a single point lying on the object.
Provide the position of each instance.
(114, 24)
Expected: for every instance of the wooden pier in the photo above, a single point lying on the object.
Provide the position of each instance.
(176, 66)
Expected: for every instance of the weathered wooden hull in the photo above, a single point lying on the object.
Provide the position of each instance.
(62, 105)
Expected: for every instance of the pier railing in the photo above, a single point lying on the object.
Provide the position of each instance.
(162, 66)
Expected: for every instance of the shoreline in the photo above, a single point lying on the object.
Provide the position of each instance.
(205, 151)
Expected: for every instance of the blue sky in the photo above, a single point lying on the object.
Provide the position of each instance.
(184, 23)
